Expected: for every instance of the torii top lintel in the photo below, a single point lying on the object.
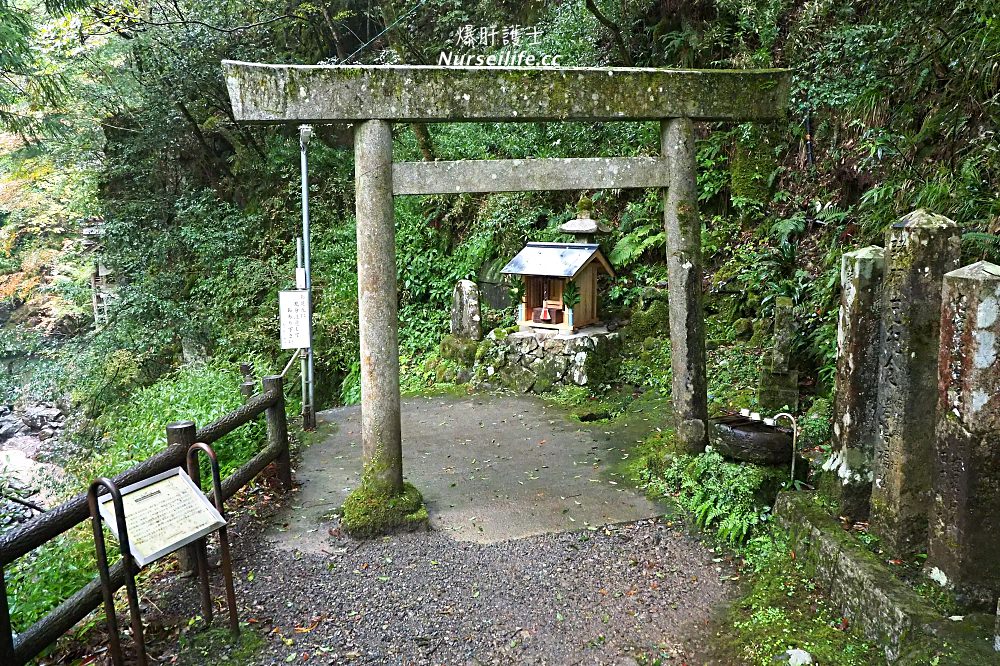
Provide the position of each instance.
(263, 93)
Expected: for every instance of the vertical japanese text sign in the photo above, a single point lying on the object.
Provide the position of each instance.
(293, 307)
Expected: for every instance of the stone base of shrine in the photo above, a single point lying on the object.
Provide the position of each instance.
(539, 360)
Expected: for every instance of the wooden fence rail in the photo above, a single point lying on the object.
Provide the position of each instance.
(15, 543)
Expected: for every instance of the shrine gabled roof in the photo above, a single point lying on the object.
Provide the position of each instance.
(564, 260)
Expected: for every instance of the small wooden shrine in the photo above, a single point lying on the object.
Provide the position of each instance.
(560, 284)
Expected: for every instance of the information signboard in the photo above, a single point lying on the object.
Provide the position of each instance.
(293, 307)
(162, 513)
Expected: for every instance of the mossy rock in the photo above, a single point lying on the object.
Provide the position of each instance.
(751, 167)
(743, 328)
(761, 336)
(651, 322)
(546, 376)
(369, 512)
(604, 362)
(518, 378)
(459, 349)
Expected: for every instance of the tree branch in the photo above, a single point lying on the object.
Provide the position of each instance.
(616, 33)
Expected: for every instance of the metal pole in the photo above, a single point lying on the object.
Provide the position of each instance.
(304, 359)
(227, 562)
(308, 409)
(127, 561)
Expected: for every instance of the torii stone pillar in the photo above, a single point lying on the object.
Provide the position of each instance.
(377, 309)
(376, 96)
(687, 319)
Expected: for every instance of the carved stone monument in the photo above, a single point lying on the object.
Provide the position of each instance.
(466, 321)
(856, 389)
(965, 526)
(920, 249)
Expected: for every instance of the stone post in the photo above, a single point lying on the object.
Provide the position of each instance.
(920, 249)
(965, 524)
(784, 334)
(856, 388)
(466, 320)
(778, 384)
(684, 274)
(378, 327)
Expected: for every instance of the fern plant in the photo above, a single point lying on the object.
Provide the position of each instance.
(730, 497)
(785, 228)
(979, 246)
(630, 248)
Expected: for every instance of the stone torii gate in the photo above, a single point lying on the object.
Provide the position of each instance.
(375, 97)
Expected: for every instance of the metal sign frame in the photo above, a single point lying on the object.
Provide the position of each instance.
(120, 529)
(106, 505)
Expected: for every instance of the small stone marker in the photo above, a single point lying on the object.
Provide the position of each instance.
(856, 390)
(964, 534)
(920, 249)
(778, 387)
(466, 321)
(784, 334)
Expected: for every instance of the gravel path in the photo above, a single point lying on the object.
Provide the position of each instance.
(622, 594)
(506, 575)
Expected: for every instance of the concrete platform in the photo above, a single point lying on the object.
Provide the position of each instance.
(490, 468)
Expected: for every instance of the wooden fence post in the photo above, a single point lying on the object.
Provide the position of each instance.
(277, 427)
(182, 433)
(6, 630)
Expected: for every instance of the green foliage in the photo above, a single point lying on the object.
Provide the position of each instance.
(732, 377)
(785, 228)
(731, 498)
(571, 295)
(646, 363)
(784, 608)
(570, 396)
(40, 581)
(979, 246)
(817, 424)
(634, 244)
(136, 429)
(642, 224)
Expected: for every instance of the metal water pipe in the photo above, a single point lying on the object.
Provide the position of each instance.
(795, 439)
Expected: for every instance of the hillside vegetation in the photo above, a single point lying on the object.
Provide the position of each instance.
(116, 113)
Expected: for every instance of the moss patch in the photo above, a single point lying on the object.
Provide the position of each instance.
(649, 322)
(216, 646)
(785, 607)
(371, 512)
(459, 349)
